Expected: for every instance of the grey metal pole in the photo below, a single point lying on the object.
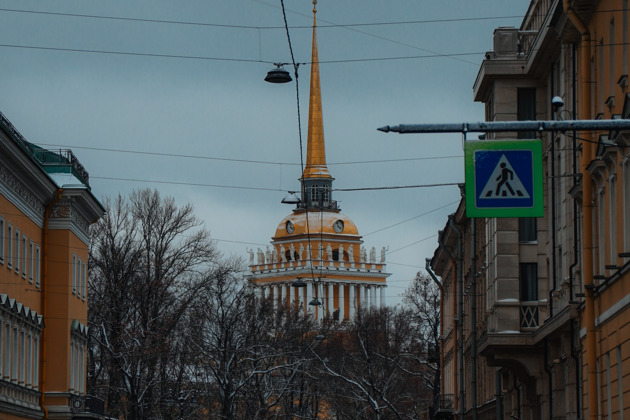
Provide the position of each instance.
(515, 126)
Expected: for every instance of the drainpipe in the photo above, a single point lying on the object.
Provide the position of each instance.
(549, 378)
(576, 260)
(460, 318)
(499, 395)
(575, 179)
(44, 283)
(587, 213)
(441, 288)
(473, 318)
(554, 274)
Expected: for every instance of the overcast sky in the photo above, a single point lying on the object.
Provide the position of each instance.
(181, 106)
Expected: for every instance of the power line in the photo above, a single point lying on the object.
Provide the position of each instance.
(411, 218)
(234, 26)
(239, 60)
(138, 54)
(171, 155)
(237, 187)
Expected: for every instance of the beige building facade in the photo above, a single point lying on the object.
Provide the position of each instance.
(539, 308)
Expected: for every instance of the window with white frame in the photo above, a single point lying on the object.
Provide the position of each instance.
(612, 219)
(84, 283)
(22, 358)
(10, 246)
(19, 340)
(74, 273)
(78, 345)
(24, 255)
(14, 352)
(38, 266)
(611, 58)
(2, 239)
(29, 360)
(7, 351)
(36, 362)
(601, 230)
(17, 251)
(31, 253)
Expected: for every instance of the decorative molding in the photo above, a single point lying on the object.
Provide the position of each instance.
(20, 196)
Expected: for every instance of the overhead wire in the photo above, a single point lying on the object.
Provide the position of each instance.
(264, 162)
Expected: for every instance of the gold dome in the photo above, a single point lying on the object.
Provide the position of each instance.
(319, 222)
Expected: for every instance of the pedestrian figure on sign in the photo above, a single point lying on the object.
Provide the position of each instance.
(503, 179)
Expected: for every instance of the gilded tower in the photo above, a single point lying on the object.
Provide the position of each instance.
(316, 258)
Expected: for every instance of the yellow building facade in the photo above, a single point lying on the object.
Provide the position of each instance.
(317, 259)
(537, 311)
(46, 207)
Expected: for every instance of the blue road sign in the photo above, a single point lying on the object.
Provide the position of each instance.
(504, 178)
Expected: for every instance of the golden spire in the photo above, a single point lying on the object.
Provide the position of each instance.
(315, 149)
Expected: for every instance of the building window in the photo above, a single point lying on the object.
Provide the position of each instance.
(38, 266)
(7, 351)
(22, 358)
(611, 57)
(2, 240)
(10, 246)
(612, 219)
(600, 76)
(526, 109)
(601, 231)
(529, 282)
(17, 251)
(25, 255)
(74, 273)
(527, 229)
(31, 249)
(36, 363)
(29, 360)
(84, 280)
(15, 352)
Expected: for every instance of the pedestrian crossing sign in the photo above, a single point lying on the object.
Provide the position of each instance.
(503, 178)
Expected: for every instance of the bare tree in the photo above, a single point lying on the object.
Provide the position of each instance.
(371, 367)
(422, 298)
(252, 351)
(148, 260)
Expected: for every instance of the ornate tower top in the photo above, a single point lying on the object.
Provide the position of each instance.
(316, 180)
(315, 151)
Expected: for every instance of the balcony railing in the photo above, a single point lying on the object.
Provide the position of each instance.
(529, 315)
(443, 403)
(13, 393)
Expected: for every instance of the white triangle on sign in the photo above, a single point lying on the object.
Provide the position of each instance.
(504, 183)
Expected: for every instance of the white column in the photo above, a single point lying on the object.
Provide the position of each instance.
(352, 303)
(320, 297)
(301, 292)
(331, 299)
(342, 309)
(283, 296)
(263, 291)
(277, 297)
(366, 297)
(309, 293)
(373, 296)
(361, 296)
(383, 303)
